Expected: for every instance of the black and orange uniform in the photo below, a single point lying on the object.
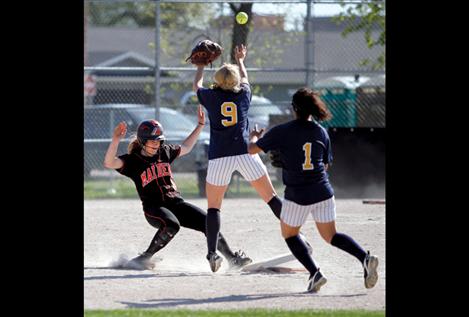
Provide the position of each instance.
(162, 203)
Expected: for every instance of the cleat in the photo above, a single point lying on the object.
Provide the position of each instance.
(370, 273)
(239, 260)
(215, 261)
(141, 262)
(315, 282)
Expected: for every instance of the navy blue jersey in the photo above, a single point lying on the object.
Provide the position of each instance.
(152, 175)
(304, 149)
(228, 116)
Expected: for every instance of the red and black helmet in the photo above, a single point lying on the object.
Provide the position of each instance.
(150, 130)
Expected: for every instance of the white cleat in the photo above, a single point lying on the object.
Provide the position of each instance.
(316, 281)
(370, 265)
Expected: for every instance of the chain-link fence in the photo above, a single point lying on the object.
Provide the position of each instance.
(336, 47)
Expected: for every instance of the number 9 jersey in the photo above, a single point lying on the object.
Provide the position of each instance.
(228, 116)
(304, 148)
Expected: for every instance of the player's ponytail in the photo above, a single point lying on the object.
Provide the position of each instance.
(134, 145)
(307, 102)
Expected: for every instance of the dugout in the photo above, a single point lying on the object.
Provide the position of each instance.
(339, 94)
(358, 169)
(371, 103)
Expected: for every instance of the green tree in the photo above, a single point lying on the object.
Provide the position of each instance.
(142, 14)
(367, 17)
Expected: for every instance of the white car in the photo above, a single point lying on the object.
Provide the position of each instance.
(259, 110)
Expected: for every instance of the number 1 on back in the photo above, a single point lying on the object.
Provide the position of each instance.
(307, 165)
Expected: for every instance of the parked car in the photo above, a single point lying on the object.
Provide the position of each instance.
(259, 110)
(100, 121)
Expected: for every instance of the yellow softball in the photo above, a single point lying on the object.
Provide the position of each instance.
(242, 17)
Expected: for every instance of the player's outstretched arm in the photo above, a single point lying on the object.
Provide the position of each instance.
(110, 159)
(189, 142)
(253, 137)
(240, 54)
(199, 78)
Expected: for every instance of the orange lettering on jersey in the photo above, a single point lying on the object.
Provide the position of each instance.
(164, 169)
(149, 175)
(143, 176)
(153, 171)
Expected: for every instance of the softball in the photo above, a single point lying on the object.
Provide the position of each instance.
(242, 17)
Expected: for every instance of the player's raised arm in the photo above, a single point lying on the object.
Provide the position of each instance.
(199, 78)
(240, 54)
(189, 142)
(110, 159)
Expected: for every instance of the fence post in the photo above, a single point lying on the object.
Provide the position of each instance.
(157, 60)
(309, 60)
(111, 189)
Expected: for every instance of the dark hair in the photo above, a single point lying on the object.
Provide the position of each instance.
(307, 102)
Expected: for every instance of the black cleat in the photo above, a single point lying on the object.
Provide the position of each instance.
(141, 262)
(316, 281)
(239, 260)
(215, 261)
(370, 265)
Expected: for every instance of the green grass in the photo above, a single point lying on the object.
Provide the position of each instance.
(120, 187)
(232, 313)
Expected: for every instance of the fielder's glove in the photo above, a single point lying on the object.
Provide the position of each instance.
(205, 52)
(275, 159)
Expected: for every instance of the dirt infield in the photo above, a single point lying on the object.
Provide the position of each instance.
(116, 228)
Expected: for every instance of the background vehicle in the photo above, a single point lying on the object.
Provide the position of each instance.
(100, 121)
(259, 110)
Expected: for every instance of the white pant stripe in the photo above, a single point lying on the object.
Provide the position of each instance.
(243, 168)
(323, 211)
(220, 170)
(225, 170)
(248, 168)
(259, 167)
(295, 215)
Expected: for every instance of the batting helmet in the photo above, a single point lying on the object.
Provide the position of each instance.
(150, 130)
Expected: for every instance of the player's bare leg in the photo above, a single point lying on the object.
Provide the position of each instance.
(214, 198)
(264, 188)
(215, 195)
(327, 230)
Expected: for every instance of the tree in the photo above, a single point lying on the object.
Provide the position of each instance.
(142, 14)
(240, 31)
(366, 16)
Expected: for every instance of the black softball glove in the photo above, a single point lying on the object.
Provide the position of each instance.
(275, 159)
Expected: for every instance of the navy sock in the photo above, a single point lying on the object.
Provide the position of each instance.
(346, 243)
(213, 228)
(300, 251)
(276, 205)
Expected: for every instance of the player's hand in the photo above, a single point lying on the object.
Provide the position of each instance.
(201, 115)
(240, 52)
(120, 130)
(256, 132)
